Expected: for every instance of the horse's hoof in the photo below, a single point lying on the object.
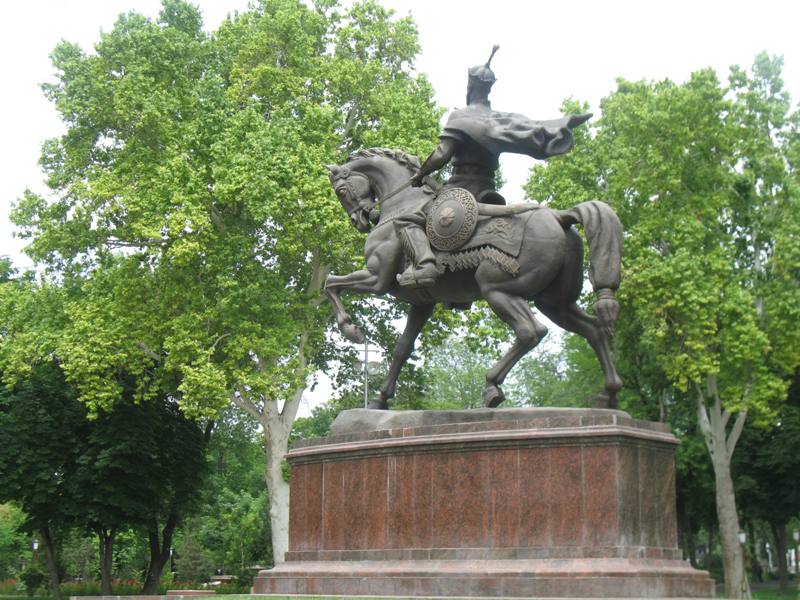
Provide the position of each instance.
(353, 333)
(379, 404)
(605, 400)
(493, 396)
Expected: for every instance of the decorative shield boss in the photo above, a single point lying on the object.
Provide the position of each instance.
(452, 219)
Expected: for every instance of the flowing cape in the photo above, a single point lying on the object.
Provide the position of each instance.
(500, 132)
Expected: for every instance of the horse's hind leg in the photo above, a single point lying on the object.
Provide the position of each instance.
(573, 318)
(417, 317)
(515, 311)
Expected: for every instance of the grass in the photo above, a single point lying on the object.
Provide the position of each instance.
(790, 594)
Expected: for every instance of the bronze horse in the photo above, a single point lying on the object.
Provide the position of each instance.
(550, 271)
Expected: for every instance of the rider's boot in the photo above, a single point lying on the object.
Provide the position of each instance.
(422, 272)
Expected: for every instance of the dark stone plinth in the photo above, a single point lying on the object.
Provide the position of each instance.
(531, 503)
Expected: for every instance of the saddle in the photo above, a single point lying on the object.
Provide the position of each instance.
(463, 232)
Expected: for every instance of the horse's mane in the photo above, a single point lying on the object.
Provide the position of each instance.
(408, 160)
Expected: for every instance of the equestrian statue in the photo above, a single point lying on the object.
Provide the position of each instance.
(460, 242)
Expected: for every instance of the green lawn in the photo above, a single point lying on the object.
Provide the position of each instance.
(790, 594)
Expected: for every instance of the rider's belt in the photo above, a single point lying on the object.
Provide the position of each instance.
(469, 169)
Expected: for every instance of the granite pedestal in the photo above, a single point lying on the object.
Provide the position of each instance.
(506, 502)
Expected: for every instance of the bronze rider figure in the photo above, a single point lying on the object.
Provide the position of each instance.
(473, 139)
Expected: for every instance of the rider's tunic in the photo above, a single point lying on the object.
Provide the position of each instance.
(482, 134)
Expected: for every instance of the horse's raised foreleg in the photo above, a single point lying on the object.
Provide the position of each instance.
(573, 318)
(515, 311)
(417, 317)
(363, 281)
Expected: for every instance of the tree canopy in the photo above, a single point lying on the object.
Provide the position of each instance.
(191, 223)
(703, 178)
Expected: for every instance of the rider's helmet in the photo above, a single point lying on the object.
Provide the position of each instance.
(481, 79)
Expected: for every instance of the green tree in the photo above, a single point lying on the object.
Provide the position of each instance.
(191, 562)
(766, 468)
(700, 178)
(564, 375)
(120, 469)
(141, 465)
(233, 527)
(191, 222)
(41, 427)
(456, 374)
(14, 546)
(79, 555)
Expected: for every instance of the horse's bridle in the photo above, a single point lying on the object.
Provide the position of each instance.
(343, 175)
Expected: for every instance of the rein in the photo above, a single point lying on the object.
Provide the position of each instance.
(393, 193)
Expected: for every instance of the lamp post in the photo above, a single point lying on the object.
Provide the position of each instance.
(742, 537)
(35, 547)
(369, 369)
(796, 537)
(366, 372)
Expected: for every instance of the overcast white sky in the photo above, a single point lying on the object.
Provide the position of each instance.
(549, 50)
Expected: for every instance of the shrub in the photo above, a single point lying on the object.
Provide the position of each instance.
(180, 585)
(232, 588)
(87, 587)
(33, 578)
(90, 587)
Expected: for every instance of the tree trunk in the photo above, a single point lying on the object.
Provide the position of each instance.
(686, 535)
(713, 421)
(159, 552)
(752, 548)
(277, 447)
(736, 585)
(52, 562)
(689, 546)
(779, 533)
(106, 544)
(277, 424)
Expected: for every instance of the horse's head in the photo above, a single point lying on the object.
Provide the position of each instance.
(354, 191)
(374, 173)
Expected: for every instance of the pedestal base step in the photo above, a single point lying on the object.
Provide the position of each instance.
(547, 578)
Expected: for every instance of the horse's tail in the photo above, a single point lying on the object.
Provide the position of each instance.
(604, 234)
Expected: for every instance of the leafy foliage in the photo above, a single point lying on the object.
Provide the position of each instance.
(35, 474)
(192, 207)
(191, 222)
(565, 375)
(455, 375)
(232, 531)
(704, 181)
(699, 177)
(14, 547)
(766, 464)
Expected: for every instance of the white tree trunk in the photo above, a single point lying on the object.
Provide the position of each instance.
(713, 421)
(277, 447)
(277, 425)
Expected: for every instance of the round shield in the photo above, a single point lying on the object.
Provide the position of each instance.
(452, 219)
